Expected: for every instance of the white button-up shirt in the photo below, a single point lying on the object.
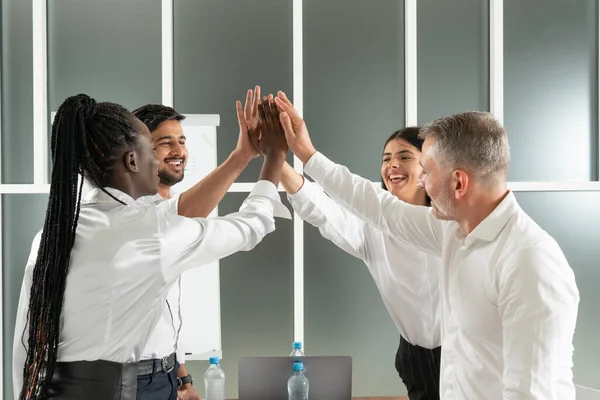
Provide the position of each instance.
(124, 260)
(508, 295)
(164, 340)
(407, 279)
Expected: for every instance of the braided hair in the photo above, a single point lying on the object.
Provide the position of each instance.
(87, 138)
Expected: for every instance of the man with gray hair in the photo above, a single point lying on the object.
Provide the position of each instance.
(509, 298)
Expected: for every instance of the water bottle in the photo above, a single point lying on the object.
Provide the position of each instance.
(214, 381)
(297, 350)
(298, 384)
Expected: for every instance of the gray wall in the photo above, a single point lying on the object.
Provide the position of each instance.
(551, 89)
(354, 98)
(17, 92)
(223, 48)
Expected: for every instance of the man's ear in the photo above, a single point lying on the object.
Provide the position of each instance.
(461, 183)
(131, 161)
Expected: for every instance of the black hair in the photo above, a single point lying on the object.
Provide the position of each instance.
(152, 115)
(409, 134)
(87, 138)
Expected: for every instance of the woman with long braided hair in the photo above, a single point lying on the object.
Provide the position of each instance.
(99, 270)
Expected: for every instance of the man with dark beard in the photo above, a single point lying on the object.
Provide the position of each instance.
(164, 123)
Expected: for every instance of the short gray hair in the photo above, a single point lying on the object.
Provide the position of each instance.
(473, 141)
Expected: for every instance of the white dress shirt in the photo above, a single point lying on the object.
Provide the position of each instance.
(125, 259)
(509, 298)
(164, 340)
(407, 278)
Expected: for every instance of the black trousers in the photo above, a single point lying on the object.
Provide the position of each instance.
(93, 380)
(158, 385)
(419, 369)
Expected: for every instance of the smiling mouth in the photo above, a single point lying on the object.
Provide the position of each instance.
(397, 178)
(175, 164)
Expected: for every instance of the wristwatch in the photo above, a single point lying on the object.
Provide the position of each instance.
(185, 380)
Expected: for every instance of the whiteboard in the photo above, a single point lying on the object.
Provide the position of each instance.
(200, 335)
(200, 288)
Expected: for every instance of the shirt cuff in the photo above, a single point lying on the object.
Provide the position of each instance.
(180, 356)
(318, 167)
(268, 190)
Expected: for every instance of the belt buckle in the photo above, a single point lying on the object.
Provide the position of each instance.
(164, 362)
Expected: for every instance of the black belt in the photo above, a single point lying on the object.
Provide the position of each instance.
(165, 364)
(93, 380)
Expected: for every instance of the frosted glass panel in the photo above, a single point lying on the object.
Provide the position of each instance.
(222, 49)
(452, 57)
(551, 89)
(17, 92)
(109, 49)
(353, 100)
(22, 217)
(353, 78)
(346, 316)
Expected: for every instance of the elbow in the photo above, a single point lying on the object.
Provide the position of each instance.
(256, 234)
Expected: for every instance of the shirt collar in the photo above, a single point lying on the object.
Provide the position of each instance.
(157, 197)
(97, 196)
(172, 193)
(493, 224)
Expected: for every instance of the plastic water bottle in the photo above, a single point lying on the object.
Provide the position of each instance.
(298, 384)
(297, 350)
(214, 381)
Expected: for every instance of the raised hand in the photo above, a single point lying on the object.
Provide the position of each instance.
(245, 146)
(296, 134)
(272, 144)
(251, 110)
(272, 139)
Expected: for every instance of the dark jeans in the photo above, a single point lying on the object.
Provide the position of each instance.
(419, 369)
(158, 385)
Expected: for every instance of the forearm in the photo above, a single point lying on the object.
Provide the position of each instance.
(187, 387)
(271, 169)
(291, 180)
(334, 222)
(202, 198)
(182, 371)
(376, 207)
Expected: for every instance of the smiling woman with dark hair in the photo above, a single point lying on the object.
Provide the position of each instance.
(414, 309)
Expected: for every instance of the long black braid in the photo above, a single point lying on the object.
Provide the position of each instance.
(87, 138)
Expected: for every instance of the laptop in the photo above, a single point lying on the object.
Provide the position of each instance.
(265, 378)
